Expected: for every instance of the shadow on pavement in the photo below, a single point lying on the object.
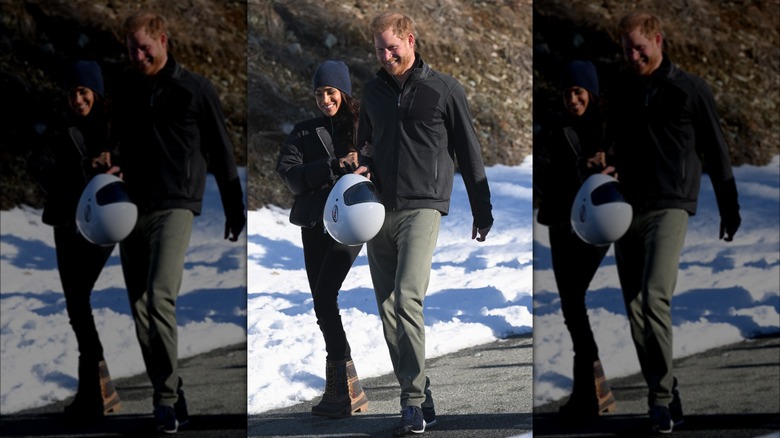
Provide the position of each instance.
(118, 425)
(382, 425)
(711, 425)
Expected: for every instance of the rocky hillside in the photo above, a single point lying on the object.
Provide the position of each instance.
(485, 44)
(261, 55)
(39, 37)
(733, 45)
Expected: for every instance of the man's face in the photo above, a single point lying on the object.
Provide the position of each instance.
(395, 55)
(147, 54)
(643, 54)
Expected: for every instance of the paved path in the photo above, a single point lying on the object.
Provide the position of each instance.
(484, 391)
(730, 391)
(214, 385)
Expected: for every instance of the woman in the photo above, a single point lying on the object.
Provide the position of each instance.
(316, 153)
(570, 153)
(76, 153)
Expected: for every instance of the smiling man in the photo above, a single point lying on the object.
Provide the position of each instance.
(415, 122)
(169, 128)
(665, 130)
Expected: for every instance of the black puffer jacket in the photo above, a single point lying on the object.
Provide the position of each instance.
(308, 164)
(561, 153)
(63, 166)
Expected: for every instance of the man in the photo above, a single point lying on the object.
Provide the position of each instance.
(168, 123)
(664, 128)
(414, 121)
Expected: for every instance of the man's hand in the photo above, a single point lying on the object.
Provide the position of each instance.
(115, 170)
(233, 226)
(363, 170)
(610, 170)
(729, 227)
(483, 232)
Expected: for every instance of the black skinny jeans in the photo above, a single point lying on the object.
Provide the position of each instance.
(574, 265)
(79, 263)
(327, 264)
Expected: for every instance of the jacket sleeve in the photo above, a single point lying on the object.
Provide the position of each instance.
(364, 143)
(217, 146)
(712, 148)
(463, 138)
(299, 176)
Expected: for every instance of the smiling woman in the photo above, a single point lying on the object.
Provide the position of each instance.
(315, 155)
(78, 154)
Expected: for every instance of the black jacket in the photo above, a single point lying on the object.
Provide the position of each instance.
(170, 131)
(63, 166)
(417, 132)
(560, 162)
(665, 131)
(308, 164)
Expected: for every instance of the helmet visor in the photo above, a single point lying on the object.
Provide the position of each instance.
(606, 193)
(360, 193)
(112, 192)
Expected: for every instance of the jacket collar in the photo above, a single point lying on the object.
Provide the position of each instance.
(666, 70)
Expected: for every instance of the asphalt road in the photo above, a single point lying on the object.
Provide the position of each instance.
(730, 391)
(485, 391)
(215, 389)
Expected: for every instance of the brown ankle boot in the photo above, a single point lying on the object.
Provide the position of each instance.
(604, 395)
(590, 395)
(109, 395)
(358, 399)
(343, 394)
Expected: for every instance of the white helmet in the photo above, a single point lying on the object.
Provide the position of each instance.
(600, 215)
(104, 214)
(353, 214)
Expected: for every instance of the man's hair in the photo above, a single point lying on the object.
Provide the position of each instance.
(399, 23)
(648, 24)
(155, 25)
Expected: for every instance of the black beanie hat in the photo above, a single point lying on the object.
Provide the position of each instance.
(581, 74)
(332, 74)
(85, 74)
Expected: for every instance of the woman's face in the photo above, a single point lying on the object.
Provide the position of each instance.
(328, 100)
(81, 100)
(576, 100)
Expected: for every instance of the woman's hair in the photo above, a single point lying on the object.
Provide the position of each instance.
(349, 113)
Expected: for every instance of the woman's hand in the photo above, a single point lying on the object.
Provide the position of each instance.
(597, 160)
(103, 160)
(349, 161)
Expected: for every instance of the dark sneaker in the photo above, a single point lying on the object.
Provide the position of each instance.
(675, 407)
(429, 415)
(412, 421)
(661, 419)
(165, 416)
(180, 408)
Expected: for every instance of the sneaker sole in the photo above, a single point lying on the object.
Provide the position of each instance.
(664, 431)
(169, 431)
(407, 431)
